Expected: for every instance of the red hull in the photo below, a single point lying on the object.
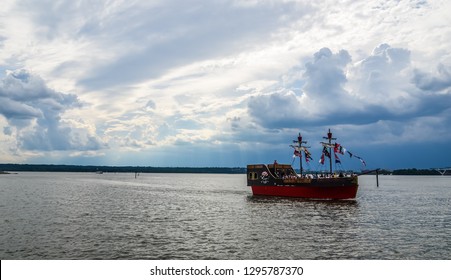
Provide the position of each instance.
(262, 180)
(317, 192)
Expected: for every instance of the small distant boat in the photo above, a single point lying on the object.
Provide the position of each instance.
(282, 180)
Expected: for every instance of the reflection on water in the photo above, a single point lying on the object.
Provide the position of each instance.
(269, 199)
(188, 216)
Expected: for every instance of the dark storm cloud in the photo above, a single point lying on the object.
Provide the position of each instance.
(35, 111)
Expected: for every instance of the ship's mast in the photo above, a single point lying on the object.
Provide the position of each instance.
(299, 146)
(329, 137)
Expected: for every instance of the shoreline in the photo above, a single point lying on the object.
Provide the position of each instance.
(11, 168)
(118, 169)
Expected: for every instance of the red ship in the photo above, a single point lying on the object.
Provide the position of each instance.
(282, 180)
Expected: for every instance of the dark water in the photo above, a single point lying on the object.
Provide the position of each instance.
(180, 216)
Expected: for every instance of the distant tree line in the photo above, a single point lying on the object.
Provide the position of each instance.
(409, 171)
(150, 169)
(139, 169)
(414, 171)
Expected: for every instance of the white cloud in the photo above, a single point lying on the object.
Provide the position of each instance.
(381, 88)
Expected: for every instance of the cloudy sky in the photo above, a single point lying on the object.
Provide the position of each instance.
(224, 83)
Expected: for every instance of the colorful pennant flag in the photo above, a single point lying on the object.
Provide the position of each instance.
(337, 159)
(326, 152)
(307, 155)
(297, 153)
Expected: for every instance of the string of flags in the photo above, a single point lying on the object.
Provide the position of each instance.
(361, 159)
(298, 153)
(338, 149)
